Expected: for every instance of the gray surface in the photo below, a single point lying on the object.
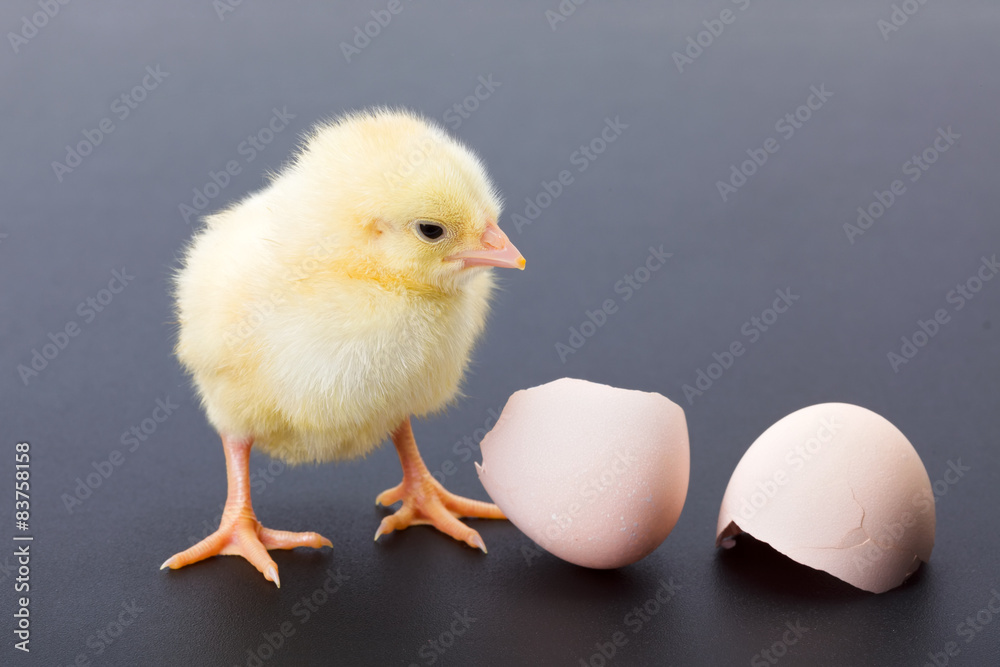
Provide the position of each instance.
(655, 185)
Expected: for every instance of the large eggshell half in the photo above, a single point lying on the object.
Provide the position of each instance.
(838, 488)
(593, 474)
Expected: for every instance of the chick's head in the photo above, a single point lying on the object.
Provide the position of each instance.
(409, 201)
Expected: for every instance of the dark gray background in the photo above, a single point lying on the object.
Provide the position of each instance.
(655, 185)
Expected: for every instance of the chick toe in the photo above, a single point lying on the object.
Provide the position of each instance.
(426, 502)
(239, 532)
(283, 539)
(390, 496)
(235, 537)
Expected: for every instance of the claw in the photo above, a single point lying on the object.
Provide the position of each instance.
(239, 532)
(476, 541)
(390, 496)
(425, 501)
(381, 529)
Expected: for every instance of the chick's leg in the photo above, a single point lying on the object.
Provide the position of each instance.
(425, 501)
(240, 533)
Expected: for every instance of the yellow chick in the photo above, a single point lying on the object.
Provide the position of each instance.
(317, 315)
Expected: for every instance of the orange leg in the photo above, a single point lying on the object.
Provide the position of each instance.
(425, 501)
(239, 533)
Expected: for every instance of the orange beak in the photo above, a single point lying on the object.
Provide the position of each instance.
(497, 250)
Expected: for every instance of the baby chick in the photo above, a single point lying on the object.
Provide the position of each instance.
(317, 315)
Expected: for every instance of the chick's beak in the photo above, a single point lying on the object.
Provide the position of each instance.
(497, 250)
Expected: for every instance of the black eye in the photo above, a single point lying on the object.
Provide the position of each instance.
(430, 231)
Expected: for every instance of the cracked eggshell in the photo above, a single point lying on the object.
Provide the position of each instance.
(593, 474)
(838, 488)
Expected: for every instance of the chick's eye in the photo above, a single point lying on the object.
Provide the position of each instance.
(430, 231)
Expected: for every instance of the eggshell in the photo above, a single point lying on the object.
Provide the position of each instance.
(593, 474)
(838, 488)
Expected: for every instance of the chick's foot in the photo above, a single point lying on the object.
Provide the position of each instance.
(240, 533)
(244, 536)
(425, 501)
